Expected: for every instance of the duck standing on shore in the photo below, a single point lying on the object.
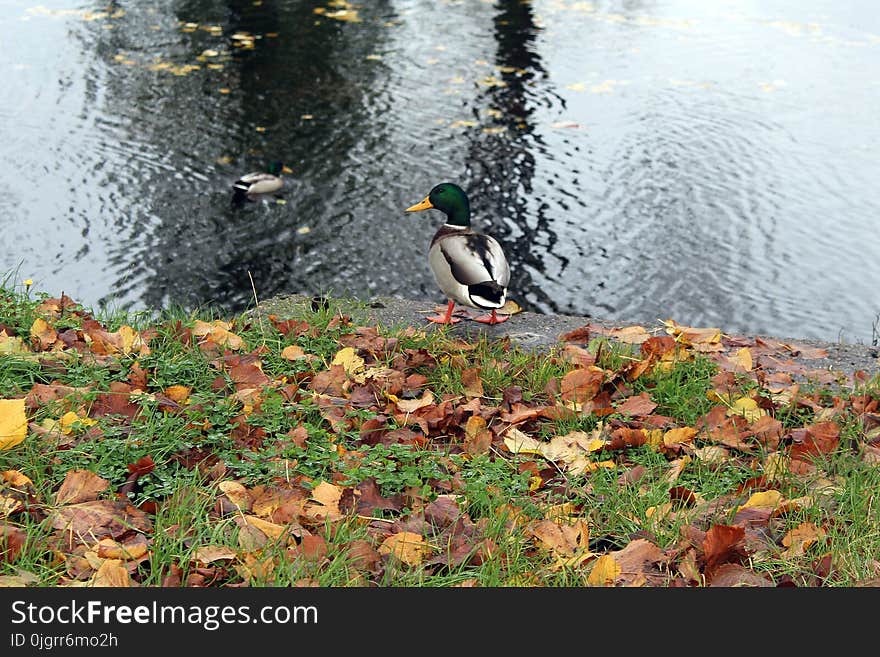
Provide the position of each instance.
(469, 267)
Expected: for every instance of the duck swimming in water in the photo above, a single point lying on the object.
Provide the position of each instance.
(260, 182)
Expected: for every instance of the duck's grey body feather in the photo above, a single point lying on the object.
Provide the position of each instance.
(469, 267)
(258, 182)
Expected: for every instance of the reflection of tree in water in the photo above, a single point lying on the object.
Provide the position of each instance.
(200, 249)
(502, 163)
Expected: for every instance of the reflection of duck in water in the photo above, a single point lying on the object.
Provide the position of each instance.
(470, 267)
(257, 183)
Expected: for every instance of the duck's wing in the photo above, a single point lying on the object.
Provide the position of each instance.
(474, 258)
(258, 182)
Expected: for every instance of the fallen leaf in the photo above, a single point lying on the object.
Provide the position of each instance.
(799, 539)
(473, 385)
(604, 571)
(13, 423)
(112, 574)
(477, 438)
(408, 547)
(80, 486)
(768, 499)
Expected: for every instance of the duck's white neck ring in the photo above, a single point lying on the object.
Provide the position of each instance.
(454, 227)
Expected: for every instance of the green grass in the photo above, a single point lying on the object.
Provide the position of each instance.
(216, 436)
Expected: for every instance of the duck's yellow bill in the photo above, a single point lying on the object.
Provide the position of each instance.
(286, 169)
(424, 205)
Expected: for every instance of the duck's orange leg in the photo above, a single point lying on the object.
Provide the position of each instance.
(491, 319)
(445, 319)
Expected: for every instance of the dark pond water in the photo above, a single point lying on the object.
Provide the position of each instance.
(711, 162)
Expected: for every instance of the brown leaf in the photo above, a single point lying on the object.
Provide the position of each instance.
(330, 382)
(638, 405)
(473, 385)
(735, 575)
(80, 486)
(581, 335)
(815, 440)
(640, 563)
(722, 544)
(581, 385)
(209, 553)
(99, 518)
(12, 540)
(477, 438)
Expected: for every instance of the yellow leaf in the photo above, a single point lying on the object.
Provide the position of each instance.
(767, 499)
(744, 359)
(679, 435)
(131, 339)
(43, 333)
(350, 361)
(237, 494)
(747, 407)
(409, 547)
(218, 332)
(270, 529)
(604, 571)
(111, 573)
(11, 344)
(800, 538)
(510, 307)
(775, 466)
(519, 443)
(653, 437)
(70, 418)
(13, 422)
(177, 394)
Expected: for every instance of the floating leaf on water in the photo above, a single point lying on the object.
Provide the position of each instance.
(303, 230)
(224, 90)
(374, 57)
(462, 124)
(307, 117)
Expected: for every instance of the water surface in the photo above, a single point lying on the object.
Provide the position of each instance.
(715, 163)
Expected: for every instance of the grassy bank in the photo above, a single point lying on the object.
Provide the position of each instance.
(180, 449)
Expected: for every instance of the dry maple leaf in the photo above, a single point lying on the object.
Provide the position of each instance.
(477, 438)
(604, 571)
(408, 547)
(13, 422)
(80, 486)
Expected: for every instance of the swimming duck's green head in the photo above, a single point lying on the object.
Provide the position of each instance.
(276, 168)
(451, 200)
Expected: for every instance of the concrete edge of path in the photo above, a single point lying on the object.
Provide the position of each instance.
(537, 331)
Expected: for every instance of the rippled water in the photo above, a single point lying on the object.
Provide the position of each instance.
(712, 162)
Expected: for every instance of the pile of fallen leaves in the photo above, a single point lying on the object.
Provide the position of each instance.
(374, 390)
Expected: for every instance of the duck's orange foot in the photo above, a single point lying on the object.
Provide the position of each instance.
(443, 319)
(491, 319)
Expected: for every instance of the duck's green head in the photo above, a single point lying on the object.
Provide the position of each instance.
(276, 168)
(451, 200)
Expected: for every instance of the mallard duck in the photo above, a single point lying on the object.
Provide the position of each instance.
(260, 182)
(469, 267)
